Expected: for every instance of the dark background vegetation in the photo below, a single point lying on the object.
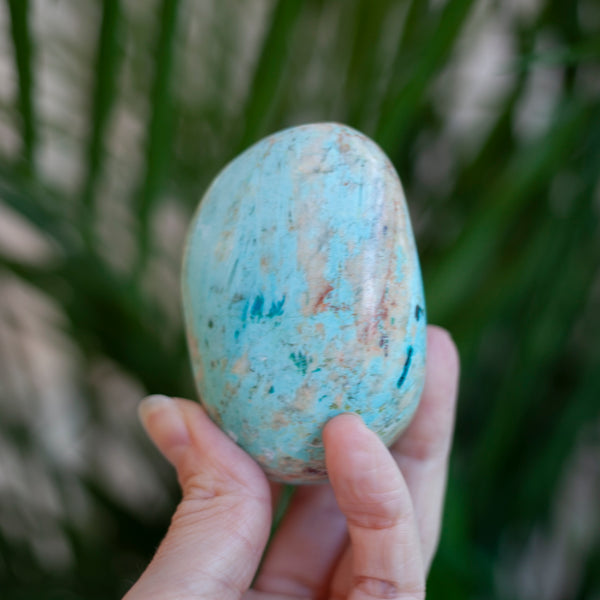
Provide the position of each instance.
(114, 117)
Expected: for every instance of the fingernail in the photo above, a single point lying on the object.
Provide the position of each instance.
(152, 403)
(347, 414)
(164, 421)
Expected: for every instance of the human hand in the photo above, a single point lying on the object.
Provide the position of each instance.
(371, 533)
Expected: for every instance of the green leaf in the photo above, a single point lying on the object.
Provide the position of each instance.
(102, 100)
(269, 70)
(404, 98)
(24, 51)
(451, 282)
(158, 142)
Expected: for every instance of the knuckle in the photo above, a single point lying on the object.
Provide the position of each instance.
(197, 487)
(383, 510)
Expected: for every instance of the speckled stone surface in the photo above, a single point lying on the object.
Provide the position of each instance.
(303, 296)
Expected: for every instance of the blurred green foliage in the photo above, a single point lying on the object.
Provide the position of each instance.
(505, 203)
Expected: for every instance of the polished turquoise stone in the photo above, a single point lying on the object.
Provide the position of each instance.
(303, 296)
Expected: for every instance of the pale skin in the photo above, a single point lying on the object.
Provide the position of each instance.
(369, 534)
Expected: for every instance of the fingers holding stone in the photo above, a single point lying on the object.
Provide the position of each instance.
(375, 500)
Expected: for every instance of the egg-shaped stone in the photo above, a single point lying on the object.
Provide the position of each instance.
(303, 297)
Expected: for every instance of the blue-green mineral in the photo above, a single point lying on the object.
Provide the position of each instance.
(303, 297)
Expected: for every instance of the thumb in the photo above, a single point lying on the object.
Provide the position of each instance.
(218, 533)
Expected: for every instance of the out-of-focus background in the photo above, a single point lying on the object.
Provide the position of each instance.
(114, 117)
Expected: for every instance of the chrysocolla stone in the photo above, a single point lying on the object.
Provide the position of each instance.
(303, 296)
